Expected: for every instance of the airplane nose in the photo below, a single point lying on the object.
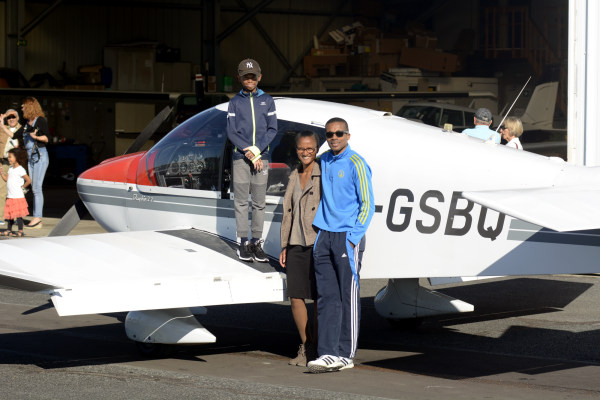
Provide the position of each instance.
(119, 169)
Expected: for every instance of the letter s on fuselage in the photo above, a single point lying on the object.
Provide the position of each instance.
(430, 204)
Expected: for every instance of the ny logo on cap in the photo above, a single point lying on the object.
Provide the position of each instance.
(249, 65)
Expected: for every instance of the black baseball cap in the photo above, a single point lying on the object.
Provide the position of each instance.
(248, 66)
(483, 114)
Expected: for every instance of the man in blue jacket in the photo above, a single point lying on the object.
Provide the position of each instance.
(344, 213)
(251, 126)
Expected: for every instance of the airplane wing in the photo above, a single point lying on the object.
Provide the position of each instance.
(559, 208)
(125, 271)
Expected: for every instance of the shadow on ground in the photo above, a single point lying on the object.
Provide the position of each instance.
(501, 338)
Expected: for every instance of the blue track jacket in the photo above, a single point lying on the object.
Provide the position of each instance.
(347, 204)
(251, 121)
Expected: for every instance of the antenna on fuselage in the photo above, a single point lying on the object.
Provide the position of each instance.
(513, 104)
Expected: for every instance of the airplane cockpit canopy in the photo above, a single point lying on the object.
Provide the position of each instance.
(197, 155)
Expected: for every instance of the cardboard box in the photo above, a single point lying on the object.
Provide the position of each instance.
(326, 51)
(430, 60)
(91, 74)
(212, 84)
(333, 65)
(424, 41)
(379, 63)
(390, 46)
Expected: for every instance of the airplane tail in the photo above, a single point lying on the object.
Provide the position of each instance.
(539, 113)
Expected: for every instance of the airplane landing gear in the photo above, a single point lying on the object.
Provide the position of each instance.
(154, 331)
(405, 298)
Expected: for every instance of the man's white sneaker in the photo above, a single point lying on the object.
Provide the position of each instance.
(325, 363)
(348, 363)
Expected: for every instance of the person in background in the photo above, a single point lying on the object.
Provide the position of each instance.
(343, 216)
(511, 131)
(298, 235)
(9, 126)
(16, 180)
(482, 121)
(35, 136)
(251, 126)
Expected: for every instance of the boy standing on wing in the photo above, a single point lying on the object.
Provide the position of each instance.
(251, 126)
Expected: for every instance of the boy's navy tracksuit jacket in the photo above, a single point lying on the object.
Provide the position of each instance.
(251, 121)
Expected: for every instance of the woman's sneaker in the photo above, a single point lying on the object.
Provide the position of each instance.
(348, 363)
(325, 363)
(300, 359)
(257, 251)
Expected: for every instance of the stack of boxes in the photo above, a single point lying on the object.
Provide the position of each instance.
(361, 51)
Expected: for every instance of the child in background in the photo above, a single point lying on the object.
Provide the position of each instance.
(16, 180)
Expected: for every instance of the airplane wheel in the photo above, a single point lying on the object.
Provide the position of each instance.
(405, 324)
(154, 350)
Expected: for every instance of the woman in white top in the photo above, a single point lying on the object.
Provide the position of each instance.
(511, 130)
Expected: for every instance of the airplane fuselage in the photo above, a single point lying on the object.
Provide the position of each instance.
(422, 227)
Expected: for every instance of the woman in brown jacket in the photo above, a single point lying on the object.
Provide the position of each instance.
(298, 236)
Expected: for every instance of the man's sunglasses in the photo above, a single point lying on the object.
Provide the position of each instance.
(329, 135)
(10, 117)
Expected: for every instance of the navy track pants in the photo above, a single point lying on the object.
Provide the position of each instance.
(337, 268)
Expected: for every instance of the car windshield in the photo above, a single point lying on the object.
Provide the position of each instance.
(410, 111)
(430, 115)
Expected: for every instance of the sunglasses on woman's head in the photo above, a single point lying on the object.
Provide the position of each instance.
(339, 134)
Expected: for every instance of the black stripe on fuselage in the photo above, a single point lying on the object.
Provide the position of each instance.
(526, 232)
(170, 203)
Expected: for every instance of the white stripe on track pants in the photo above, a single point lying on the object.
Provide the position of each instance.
(337, 269)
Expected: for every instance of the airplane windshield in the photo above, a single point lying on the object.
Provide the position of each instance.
(197, 155)
(189, 157)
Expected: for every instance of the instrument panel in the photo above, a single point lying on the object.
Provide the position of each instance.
(191, 167)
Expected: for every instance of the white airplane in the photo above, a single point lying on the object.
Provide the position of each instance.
(447, 206)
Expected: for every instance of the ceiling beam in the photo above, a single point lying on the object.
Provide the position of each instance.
(241, 21)
(37, 20)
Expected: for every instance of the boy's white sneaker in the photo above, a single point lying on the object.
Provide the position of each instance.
(325, 363)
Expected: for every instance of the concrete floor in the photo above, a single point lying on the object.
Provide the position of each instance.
(529, 338)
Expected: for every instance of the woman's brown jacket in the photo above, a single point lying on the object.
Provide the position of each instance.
(309, 203)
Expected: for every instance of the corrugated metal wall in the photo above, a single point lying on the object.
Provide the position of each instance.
(75, 35)
(291, 33)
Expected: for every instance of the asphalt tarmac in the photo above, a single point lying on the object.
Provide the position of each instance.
(529, 338)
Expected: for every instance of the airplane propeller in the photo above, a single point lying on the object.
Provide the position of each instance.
(78, 211)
